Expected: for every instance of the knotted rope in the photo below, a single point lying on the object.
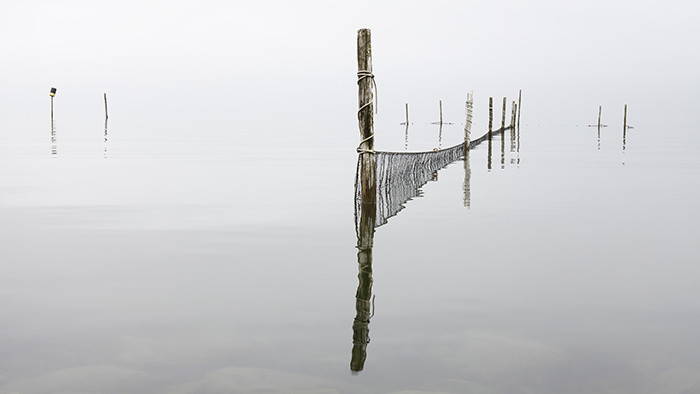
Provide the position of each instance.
(362, 74)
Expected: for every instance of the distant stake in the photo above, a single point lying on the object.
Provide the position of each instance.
(490, 116)
(106, 114)
(520, 93)
(624, 124)
(600, 109)
(503, 115)
(406, 114)
(440, 111)
(52, 93)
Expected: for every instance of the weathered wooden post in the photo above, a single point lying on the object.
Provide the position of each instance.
(368, 196)
(468, 123)
(503, 115)
(406, 114)
(624, 124)
(365, 81)
(600, 109)
(440, 111)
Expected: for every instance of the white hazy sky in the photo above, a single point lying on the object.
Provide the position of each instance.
(293, 64)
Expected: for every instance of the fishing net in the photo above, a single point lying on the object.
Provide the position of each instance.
(401, 175)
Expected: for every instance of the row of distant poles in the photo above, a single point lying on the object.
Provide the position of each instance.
(54, 144)
(624, 126)
(469, 106)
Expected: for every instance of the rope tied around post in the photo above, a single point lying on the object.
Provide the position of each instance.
(362, 74)
(360, 150)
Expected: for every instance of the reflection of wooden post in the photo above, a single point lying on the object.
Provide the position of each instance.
(467, 178)
(360, 325)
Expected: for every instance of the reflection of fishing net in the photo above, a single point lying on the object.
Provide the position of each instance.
(401, 175)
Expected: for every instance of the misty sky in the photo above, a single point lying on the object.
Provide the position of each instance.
(285, 63)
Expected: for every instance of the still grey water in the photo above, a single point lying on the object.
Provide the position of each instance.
(146, 263)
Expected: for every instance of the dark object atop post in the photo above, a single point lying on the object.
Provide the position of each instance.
(52, 92)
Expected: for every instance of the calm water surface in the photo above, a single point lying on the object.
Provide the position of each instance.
(155, 264)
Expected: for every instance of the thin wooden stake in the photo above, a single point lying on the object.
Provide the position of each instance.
(600, 109)
(106, 114)
(440, 111)
(520, 93)
(406, 114)
(503, 115)
(490, 116)
(624, 125)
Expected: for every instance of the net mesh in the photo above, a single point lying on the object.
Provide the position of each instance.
(401, 175)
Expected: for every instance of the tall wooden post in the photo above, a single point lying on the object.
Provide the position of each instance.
(503, 115)
(468, 123)
(440, 111)
(368, 205)
(624, 124)
(406, 114)
(106, 114)
(365, 80)
(600, 109)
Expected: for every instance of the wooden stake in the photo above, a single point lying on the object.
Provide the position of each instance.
(490, 116)
(106, 114)
(406, 114)
(600, 109)
(490, 130)
(624, 124)
(440, 111)
(366, 120)
(503, 115)
(520, 93)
